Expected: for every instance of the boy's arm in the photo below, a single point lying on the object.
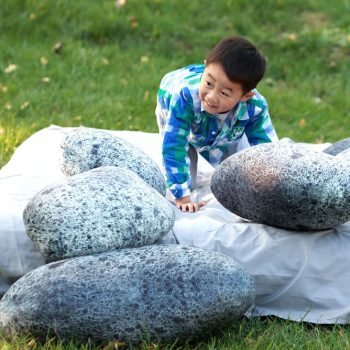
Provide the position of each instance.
(174, 150)
(260, 128)
(175, 135)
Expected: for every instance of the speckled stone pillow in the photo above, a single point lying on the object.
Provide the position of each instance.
(286, 185)
(167, 293)
(83, 149)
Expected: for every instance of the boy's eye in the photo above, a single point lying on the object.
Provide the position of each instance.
(224, 94)
(208, 83)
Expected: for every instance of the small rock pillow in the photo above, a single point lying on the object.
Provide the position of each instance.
(86, 148)
(95, 211)
(156, 292)
(338, 147)
(285, 185)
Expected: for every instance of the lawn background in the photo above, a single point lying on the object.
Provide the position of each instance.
(111, 60)
(91, 63)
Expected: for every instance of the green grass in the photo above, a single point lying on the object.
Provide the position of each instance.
(111, 61)
(267, 333)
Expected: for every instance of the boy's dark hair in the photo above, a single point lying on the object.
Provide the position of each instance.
(241, 61)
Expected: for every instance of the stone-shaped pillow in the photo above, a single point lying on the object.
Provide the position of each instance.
(164, 292)
(83, 149)
(95, 211)
(338, 147)
(285, 185)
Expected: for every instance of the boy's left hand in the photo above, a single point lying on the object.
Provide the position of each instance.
(185, 204)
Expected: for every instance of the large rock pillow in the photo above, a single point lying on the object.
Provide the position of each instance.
(95, 211)
(83, 149)
(156, 292)
(285, 185)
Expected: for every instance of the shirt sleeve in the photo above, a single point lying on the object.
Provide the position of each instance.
(175, 144)
(260, 128)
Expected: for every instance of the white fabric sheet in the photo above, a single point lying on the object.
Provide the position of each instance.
(298, 275)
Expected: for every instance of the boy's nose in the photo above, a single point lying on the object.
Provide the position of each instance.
(213, 96)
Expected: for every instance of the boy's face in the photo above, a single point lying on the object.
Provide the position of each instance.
(217, 92)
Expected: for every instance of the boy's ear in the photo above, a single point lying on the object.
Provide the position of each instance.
(247, 96)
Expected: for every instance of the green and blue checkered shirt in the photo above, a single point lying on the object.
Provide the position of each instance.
(182, 121)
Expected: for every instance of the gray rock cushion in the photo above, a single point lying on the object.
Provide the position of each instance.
(86, 148)
(338, 147)
(154, 292)
(95, 211)
(285, 185)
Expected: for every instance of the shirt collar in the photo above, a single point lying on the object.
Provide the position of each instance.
(223, 116)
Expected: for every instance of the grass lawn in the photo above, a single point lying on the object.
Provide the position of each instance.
(91, 63)
(267, 333)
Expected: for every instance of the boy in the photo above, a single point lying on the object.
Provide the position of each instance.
(207, 109)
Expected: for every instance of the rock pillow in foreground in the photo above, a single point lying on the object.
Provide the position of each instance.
(96, 211)
(86, 148)
(285, 185)
(155, 292)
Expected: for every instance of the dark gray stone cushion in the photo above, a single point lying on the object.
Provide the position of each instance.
(95, 211)
(285, 185)
(338, 147)
(153, 292)
(86, 148)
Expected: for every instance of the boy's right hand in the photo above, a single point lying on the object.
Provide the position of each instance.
(185, 204)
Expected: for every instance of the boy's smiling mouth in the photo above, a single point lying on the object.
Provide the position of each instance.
(210, 105)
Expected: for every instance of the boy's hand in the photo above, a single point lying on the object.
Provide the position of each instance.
(185, 204)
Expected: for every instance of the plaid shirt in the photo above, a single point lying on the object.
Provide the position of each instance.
(182, 120)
